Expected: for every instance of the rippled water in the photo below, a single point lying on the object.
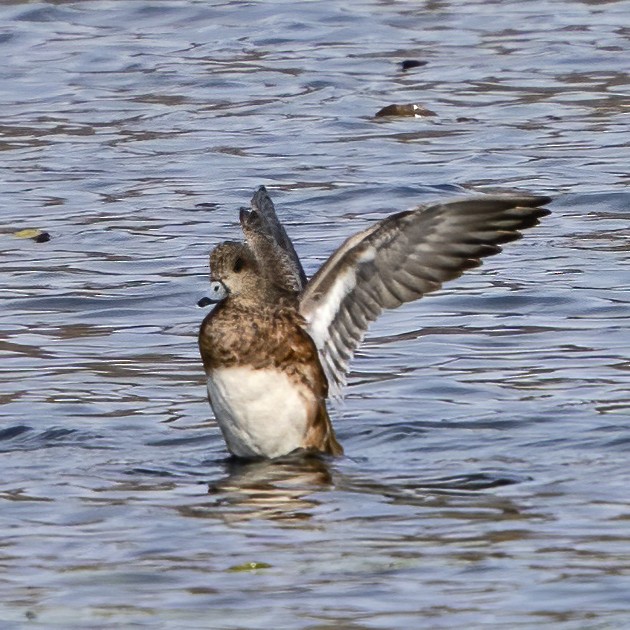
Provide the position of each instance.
(486, 477)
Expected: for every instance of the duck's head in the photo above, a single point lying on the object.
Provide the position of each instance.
(233, 272)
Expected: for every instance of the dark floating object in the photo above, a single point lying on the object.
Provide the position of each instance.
(204, 301)
(407, 64)
(43, 237)
(409, 109)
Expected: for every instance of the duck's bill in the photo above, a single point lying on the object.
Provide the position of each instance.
(218, 292)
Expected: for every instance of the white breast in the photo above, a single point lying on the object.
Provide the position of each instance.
(260, 412)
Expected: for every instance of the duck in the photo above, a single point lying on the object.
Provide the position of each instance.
(277, 345)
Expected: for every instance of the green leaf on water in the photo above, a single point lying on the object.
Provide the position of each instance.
(249, 566)
(29, 233)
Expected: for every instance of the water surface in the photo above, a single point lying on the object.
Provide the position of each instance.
(486, 428)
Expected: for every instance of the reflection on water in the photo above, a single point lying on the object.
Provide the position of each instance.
(278, 490)
(284, 489)
(486, 428)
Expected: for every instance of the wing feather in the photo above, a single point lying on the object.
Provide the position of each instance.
(400, 259)
(270, 243)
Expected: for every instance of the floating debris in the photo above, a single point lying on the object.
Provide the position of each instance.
(249, 566)
(408, 64)
(410, 109)
(35, 235)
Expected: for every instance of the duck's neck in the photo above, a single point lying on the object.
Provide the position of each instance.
(265, 295)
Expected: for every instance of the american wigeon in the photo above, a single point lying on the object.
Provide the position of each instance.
(275, 343)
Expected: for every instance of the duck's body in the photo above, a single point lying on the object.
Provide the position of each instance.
(265, 381)
(274, 342)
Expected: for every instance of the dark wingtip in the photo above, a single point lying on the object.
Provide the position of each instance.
(534, 201)
(243, 215)
(534, 217)
(260, 199)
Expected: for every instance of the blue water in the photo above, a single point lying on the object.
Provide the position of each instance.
(486, 428)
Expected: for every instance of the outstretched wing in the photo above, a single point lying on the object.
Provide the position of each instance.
(270, 243)
(400, 259)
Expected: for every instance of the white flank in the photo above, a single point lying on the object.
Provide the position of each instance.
(262, 413)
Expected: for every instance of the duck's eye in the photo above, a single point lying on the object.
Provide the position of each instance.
(239, 263)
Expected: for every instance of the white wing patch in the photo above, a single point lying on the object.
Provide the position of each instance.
(320, 319)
